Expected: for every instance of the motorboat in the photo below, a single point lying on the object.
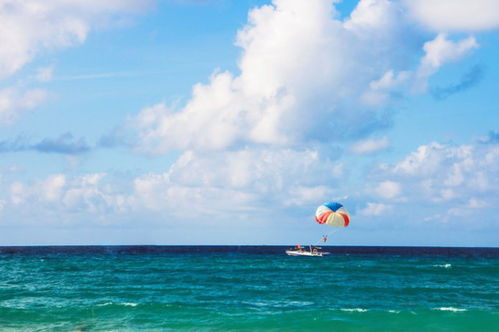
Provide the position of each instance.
(312, 251)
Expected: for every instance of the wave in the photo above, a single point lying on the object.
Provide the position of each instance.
(354, 310)
(278, 303)
(445, 266)
(450, 309)
(104, 304)
(127, 304)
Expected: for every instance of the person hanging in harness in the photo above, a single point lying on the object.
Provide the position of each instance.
(324, 238)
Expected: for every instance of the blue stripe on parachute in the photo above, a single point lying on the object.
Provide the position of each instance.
(333, 205)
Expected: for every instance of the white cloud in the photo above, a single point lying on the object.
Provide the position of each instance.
(244, 180)
(370, 145)
(374, 19)
(380, 90)
(388, 189)
(468, 209)
(447, 175)
(66, 197)
(220, 185)
(301, 72)
(18, 193)
(30, 27)
(13, 102)
(448, 184)
(474, 203)
(305, 76)
(441, 50)
(456, 15)
(52, 187)
(300, 195)
(389, 80)
(429, 159)
(376, 209)
(438, 52)
(219, 188)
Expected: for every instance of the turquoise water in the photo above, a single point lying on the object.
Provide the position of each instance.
(104, 289)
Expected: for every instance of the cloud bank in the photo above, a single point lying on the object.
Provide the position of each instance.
(439, 183)
(270, 138)
(454, 183)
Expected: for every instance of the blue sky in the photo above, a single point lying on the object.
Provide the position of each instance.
(229, 122)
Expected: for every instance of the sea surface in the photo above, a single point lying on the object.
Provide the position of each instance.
(156, 288)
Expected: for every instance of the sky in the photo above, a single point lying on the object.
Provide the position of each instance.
(230, 122)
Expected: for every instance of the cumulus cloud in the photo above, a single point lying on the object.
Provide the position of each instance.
(30, 27)
(305, 76)
(52, 187)
(456, 15)
(258, 141)
(376, 209)
(221, 186)
(370, 145)
(390, 86)
(445, 176)
(437, 182)
(67, 197)
(388, 189)
(244, 180)
(13, 102)
(440, 51)
(437, 52)
(301, 72)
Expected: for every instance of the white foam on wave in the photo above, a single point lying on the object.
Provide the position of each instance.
(445, 266)
(129, 304)
(279, 303)
(104, 304)
(354, 310)
(450, 309)
(394, 311)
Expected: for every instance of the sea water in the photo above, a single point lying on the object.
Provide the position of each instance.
(248, 288)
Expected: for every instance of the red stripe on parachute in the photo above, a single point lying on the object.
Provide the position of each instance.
(345, 217)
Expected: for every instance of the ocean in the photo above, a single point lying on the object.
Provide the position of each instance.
(214, 288)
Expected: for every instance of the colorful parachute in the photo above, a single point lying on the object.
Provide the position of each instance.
(333, 214)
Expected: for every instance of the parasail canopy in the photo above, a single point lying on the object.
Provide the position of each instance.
(332, 213)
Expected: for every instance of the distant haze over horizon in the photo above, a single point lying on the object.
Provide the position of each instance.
(230, 122)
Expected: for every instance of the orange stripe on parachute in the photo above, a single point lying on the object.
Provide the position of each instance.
(323, 218)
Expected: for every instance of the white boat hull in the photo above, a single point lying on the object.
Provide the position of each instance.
(305, 253)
